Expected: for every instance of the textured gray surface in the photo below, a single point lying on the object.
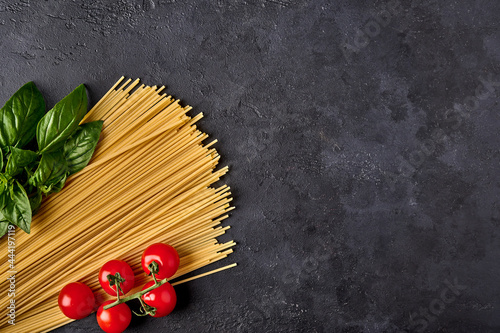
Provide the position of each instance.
(363, 148)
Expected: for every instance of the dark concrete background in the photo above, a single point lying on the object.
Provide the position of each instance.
(362, 138)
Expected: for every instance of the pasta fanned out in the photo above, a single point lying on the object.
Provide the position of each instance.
(149, 181)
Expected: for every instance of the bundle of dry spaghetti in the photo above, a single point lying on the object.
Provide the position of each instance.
(149, 181)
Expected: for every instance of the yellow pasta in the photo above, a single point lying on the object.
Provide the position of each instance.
(149, 181)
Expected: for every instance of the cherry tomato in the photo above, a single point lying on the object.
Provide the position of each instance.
(162, 298)
(112, 267)
(166, 257)
(115, 319)
(76, 300)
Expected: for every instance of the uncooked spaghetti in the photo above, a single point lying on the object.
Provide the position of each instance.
(149, 181)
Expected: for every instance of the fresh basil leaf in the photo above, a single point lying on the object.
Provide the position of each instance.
(1, 160)
(61, 121)
(56, 185)
(18, 160)
(4, 179)
(4, 226)
(17, 209)
(35, 202)
(20, 116)
(79, 148)
(50, 170)
(4, 194)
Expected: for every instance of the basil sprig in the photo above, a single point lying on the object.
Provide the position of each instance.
(20, 115)
(64, 148)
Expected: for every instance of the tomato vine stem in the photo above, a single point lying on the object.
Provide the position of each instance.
(153, 267)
